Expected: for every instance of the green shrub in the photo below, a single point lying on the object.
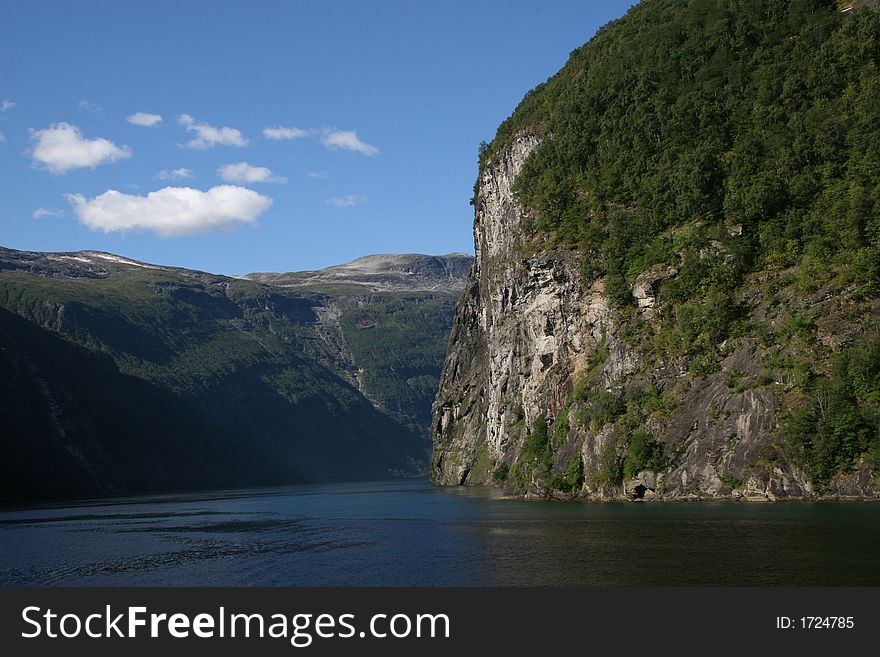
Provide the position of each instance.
(500, 474)
(609, 470)
(642, 453)
(839, 417)
(573, 478)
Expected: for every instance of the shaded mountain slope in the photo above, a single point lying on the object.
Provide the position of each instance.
(129, 377)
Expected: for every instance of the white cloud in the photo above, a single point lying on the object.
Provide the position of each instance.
(89, 106)
(347, 201)
(316, 174)
(245, 173)
(43, 212)
(171, 210)
(2, 138)
(175, 174)
(144, 119)
(6, 105)
(62, 146)
(347, 140)
(208, 136)
(279, 133)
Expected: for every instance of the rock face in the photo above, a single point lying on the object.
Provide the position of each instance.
(676, 292)
(541, 369)
(520, 321)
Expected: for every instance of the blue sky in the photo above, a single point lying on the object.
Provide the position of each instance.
(392, 99)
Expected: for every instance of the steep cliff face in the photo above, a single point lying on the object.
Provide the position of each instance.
(520, 323)
(644, 320)
(538, 349)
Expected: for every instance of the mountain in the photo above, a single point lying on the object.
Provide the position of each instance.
(120, 376)
(384, 272)
(677, 286)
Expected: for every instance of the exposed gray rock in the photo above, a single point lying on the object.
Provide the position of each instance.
(641, 487)
(645, 289)
(860, 483)
(527, 329)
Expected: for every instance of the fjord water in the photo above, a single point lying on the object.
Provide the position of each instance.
(410, 534)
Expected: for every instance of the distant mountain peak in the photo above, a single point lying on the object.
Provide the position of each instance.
(383, 272)
(379, 272)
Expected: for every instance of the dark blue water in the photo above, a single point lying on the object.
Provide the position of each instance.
(409, 534)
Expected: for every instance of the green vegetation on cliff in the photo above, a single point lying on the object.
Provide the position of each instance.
(399, 341)
(839, 416)
(724, 155)
(759, 113)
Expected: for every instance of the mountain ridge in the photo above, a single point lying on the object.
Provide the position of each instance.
(382, 272)
(451, 269)
(270, 384)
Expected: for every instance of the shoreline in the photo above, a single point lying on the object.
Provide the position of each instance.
(660, 499)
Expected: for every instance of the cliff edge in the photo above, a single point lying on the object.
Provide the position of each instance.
(659, 314)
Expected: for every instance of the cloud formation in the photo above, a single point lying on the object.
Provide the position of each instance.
(6, 105)
(245, 173)
(62, 147)
(171, 211)
(145, 119)
(347, 140)
(347, 201)
(208, 136)
(2, 138)
(175, 174)
(89, 106)
(280, 133)
(43, 212)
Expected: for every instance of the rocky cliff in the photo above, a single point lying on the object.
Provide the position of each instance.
(565, 378)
